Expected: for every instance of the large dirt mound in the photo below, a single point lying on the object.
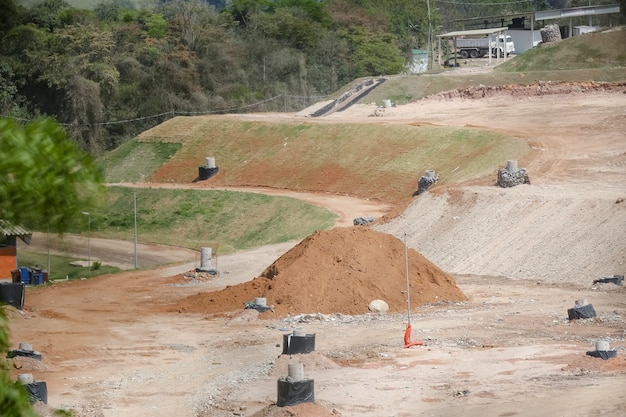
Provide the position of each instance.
(336, 271)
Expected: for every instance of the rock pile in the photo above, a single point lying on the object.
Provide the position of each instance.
(362, 221)
(551, 33)
(511, 175)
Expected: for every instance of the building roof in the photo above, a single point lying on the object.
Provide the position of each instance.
(8, 229)
(577, 11)
(474, 32)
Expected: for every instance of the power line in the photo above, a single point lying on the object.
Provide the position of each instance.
(174, 113)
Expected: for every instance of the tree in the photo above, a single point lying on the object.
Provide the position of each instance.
(46, 181)
(8, 15)
(378, 57)
(47, 14)
(11, 102)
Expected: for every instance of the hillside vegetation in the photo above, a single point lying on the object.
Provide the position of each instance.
(108, 70)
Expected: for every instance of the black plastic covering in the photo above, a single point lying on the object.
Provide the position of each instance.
(298, 344)
(205, 173)
(255, 306)
(584, 312)
(615, 279)
(37, 391)
(13, 294)
(604, 354)
(27, 353)
(295, 392)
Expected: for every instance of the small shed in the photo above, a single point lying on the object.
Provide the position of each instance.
(9, 234)
(419, 63)
(470, 33)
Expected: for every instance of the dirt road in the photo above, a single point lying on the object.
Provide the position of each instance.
(522, 256)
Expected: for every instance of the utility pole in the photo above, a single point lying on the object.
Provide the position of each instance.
(135, 212)
(430, 35)
(86, 213)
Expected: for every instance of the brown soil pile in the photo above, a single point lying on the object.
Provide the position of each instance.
(336, 271)
(312, 361)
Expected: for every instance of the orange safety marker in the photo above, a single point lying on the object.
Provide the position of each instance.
(407, 332)
(407, 338)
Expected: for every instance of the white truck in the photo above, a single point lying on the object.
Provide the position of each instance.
(479, 47)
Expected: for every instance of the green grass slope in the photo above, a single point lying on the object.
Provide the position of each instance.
(376, 161)
(598, 50)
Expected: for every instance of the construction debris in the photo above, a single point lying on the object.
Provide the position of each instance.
(362, 221)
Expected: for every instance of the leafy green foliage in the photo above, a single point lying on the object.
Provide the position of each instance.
(377, 58)
(12, 103)
(46, 180)
(186, 218)
(8, 15)
(47, 14)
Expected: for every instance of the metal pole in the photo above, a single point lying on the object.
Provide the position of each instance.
(135, 211)
(430, 32)
(408, 291)
(88, 242)
(48, 244)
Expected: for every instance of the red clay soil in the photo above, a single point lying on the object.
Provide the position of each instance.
(335, 271)
(300, 410)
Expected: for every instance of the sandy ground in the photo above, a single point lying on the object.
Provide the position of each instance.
(522, 256)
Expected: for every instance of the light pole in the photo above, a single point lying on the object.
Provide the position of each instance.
(135, 213)
(86, 213)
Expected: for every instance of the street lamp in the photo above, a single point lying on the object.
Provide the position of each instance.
(86, 213)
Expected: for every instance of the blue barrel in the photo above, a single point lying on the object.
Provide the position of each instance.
(37, 278)
(25, 275)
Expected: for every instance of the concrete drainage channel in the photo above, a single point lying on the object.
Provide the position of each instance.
(348, 98)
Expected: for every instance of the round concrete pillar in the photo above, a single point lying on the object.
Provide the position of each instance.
(205, 258)
(511, 165)
(296, 371)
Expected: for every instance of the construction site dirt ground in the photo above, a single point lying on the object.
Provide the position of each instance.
(521, 256)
